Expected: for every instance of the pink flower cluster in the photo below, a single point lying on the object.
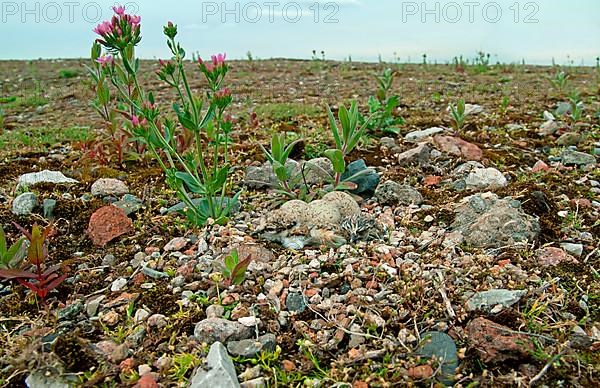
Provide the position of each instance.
(105, 59)
(136, 122)
(218, 61)
(114, 26)
(223, 93)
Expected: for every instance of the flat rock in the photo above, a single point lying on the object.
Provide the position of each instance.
(571, 157)
(486, 221)
(458, 147)
(441, 346)
(219, 370)
(249, 348)
(496, 343)
(366, 182)
(393, 193)
(129, 203)
(24, 204)
(487, 300)
(46, 176)
(108, 223)
(417, 136)
(213, 330)
(176, 244)
(295, 302)
(109, 186)
(38, 379)
(551, 256)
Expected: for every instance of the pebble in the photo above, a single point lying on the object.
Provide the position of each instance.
(24, 204)
(109, 186)
(118, 284)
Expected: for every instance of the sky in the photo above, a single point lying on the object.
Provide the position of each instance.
(566, 31)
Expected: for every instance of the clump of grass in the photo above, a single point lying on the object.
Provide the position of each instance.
(286, 111)
(42, 138)
(68, 73)
(32, 101)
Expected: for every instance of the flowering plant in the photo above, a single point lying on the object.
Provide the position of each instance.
(200, 176)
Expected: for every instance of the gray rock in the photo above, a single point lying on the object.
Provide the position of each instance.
(39, 379)
(417, 136)
(367, 181)
(393, 193)
(317, 171)
(486, 300)
(259, 382)
(548, 128)
(109, 186)
(219, 370)
(569, 139)
(571, 157)
(441, 346)
(154, 274)
(250, 347)
(49, 205)
(118, 284)
(24, 204)
(295, 302)
(215, 311)
(136, 338)
(574, 249)
(421, 155)
(129, 203)
(390, 144)
(263, 176)
(92, 305)
(53, 177)
(221, 330)
(70, 312)
(485, 179)
(489, 222)
(473, 109)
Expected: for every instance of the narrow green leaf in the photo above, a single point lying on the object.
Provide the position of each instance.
(334, 129)
(337, 159)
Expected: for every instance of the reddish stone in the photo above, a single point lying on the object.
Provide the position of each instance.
(372, 285)
(420, 372)
(124, 298)
(108, 223)
(288, 365)
(258, 252)
(458, 147)
(495, 343)
(582, 203)
(147, 381)
(540, 166)
(311, 292)
(432, 180)
(139, 279)
(360, 384)
(127, 365)
(551, 256)
(151, 250)
(187, 269)
(176, 244)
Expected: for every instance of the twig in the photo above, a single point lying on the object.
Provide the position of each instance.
(441, 289)
(547, 366)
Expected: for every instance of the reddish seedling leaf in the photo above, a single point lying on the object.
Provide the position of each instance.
(239, 271)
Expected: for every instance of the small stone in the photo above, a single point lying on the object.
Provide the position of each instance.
(108, 186)
(70, 312)
(147, 381)
(154, 274)
(24, 204)
(393, 193)
(496, 343)
(157, 320)
(118, 284)
(485, 179)
(458, 147)
(540, 166)
(441, 346)
(420, 372)
(108, 223)
(91, 307)
(213, 330)
(215, 311)
(176, 244)
(295, 302)
(129, 204)
(569, 139)
(419, 155)
(551, 256)
(48, 207)
(120, 353)
(367, 181)
(33, 178)
(486, 300)
(219, 371)
(109, 260)
(571, 157)
(110, 318)
(259, 382)
(45, 380)
(249, 321)
(417, 136)
(140, 315)
(574, 249)
(249, 348)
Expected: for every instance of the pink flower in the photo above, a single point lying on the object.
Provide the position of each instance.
(218, 59)
(208, 66)
(103, 28)
(105, 59)
(120, 10)
(135, 121)
(223, 93)
(135, 20)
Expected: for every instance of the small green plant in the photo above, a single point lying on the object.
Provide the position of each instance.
(278, 157)
(560, 81)
(577, 107)
(43, 280)
(345, 141)
(481, 63)
(68, 73)
(382, 107)
(182, 365)
(457, 113)
(235, 270)
(504, 104)
(10, 257)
